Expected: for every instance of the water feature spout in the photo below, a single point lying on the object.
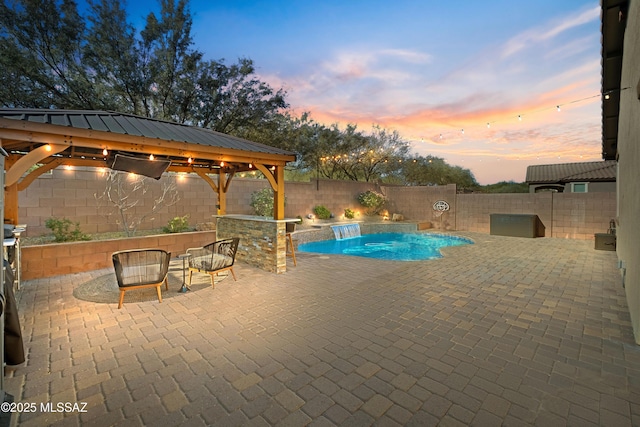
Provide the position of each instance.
(344, 231)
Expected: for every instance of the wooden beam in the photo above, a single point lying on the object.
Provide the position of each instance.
(27, 180)
(14, 130)
(267, 174)
(27, 161)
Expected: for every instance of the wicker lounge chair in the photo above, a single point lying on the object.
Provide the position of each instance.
(141, 268)
(213, 258)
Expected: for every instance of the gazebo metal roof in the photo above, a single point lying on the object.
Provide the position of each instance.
(53, 138)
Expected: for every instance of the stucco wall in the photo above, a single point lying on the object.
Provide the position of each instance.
(629, 167)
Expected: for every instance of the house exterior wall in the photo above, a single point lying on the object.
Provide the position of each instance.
(628, 244)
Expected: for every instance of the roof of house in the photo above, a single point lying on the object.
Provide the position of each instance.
(128, 124)
(572, 172)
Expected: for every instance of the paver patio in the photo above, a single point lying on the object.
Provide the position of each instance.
(508, 331)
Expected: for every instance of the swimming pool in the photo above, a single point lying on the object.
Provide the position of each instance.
(389, 246)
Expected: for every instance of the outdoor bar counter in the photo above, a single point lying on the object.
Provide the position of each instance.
(263, 241)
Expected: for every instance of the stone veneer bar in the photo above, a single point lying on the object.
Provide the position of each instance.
(262, 240)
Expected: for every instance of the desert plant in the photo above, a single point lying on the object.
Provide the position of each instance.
(177, 224)
(322, 212)
(372, 201)
(349, 213)
(62, 231)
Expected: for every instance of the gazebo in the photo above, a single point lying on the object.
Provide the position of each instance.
(52, 138)
(125, 142)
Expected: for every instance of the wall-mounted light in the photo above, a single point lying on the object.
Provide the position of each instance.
(151, 157)
(221, 164)
(105, 152)
(47, 147)
(189, 160)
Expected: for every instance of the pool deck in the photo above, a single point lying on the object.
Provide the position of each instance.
(508, 331)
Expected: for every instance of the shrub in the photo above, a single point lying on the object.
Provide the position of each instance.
(178, 224)
(322, 212)
(62, 231)
(373, 201)
(349, 213)
(262, 202)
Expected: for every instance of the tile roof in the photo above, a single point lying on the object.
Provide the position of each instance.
(571, 172)
(128, 124)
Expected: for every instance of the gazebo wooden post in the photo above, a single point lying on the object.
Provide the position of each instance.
(222, 194)
(11, 194)
(278, 194)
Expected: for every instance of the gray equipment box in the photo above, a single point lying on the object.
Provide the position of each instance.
(605, 242)
(516, 225)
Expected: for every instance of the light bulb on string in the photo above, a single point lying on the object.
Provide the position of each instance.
(558, 108)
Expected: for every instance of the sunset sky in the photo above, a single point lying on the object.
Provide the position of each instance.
(429, 70)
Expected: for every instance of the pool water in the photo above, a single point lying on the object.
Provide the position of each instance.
(388, 246)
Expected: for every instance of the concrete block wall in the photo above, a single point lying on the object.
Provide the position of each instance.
(579, 216)
(474, 210)
(74, 257)
(416, 204)
(564, 215)
(71, 194)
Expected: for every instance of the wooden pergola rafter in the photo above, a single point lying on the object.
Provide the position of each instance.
(89, 138)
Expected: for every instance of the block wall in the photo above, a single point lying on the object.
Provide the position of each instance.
(75, 257)
(72, 195)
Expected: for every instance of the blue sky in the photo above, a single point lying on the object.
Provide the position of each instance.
(428, 70)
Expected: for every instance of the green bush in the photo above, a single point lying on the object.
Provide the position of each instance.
(62, 231)
(262, 202)
(322, 212)
(349, 213)
(178, 224)
(373, 201)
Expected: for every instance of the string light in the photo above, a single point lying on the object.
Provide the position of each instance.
(605, 95)
(105, 152)
(151, 157)
(189, 160)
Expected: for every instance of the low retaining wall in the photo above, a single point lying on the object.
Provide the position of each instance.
(65, 258)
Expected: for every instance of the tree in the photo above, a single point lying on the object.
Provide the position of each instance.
(435, 171)
(52, 57)
(41, 44)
